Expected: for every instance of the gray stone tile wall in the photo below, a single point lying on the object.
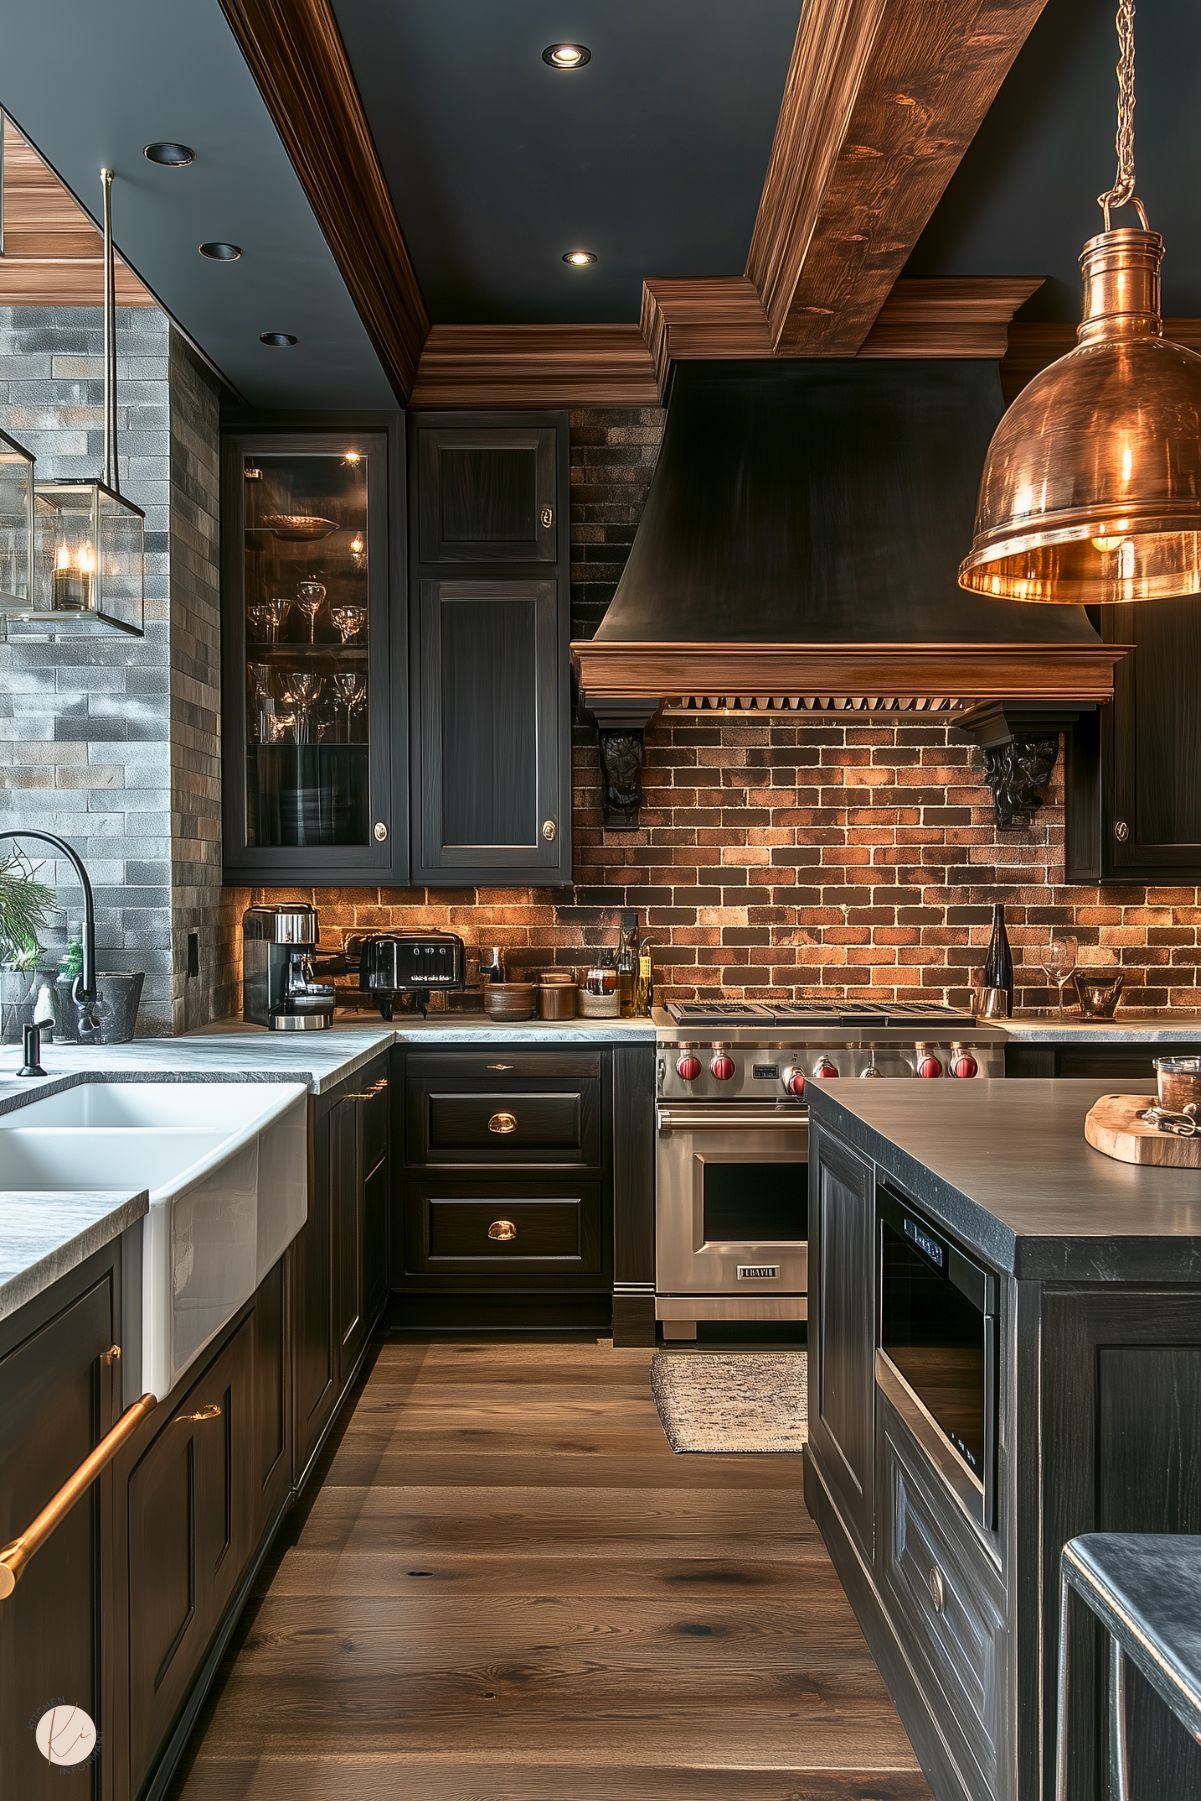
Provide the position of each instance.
(107, 740)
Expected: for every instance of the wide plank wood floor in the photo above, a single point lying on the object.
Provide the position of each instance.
(508, 1588)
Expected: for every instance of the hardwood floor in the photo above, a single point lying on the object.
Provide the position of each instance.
(508, 1588)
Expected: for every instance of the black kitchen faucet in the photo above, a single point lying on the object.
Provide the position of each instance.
(83, 988)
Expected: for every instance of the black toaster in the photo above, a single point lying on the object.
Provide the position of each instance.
(401, 963)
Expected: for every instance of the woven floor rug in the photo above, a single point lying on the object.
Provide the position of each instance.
(741, 1401)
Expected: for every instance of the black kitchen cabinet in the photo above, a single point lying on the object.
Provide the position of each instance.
(842, 1389)
(189, 1521)
(1133, 782)
(339, 1259)
(271, 1445)
(1107, 1062)
(487, 491)
(491, 752)
(59, 1394)
(315, 655)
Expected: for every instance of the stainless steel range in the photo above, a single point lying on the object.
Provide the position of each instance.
(731, 1186)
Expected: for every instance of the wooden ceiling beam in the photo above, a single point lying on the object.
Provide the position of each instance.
(882, 99)
(296, 55)
(53, 252)
(535, 365)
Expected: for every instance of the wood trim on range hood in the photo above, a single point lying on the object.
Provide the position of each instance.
(632, 672)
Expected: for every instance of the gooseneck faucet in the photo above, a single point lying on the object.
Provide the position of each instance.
(83, 988)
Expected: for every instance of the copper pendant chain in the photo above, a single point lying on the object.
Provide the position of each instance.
(1122, 192)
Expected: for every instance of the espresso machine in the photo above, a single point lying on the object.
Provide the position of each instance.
(278, 986)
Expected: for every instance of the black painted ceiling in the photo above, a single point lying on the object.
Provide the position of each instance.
(653, 156)
(1024, 198)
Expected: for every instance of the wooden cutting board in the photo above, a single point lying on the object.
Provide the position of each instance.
(1110, 1126)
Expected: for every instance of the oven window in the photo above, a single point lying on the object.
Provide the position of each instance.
(934, 1335)
(760, 1203)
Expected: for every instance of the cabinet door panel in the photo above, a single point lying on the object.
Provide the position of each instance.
(314, 1339)
(56, 1401)
(487, 494)
(189, 1541)
(346, 1184)
(842, 1384)
(491, 749)
(494, 1229)
(272, 1471)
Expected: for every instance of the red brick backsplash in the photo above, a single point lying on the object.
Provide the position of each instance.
(780, 858)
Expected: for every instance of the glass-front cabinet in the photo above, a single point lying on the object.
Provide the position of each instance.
(315, 775)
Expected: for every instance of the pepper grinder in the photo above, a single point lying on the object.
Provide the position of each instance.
(31, 1050)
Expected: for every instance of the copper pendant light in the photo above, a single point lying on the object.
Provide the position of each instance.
(1092, 486)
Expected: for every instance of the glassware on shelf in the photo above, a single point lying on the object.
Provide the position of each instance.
(301, 689)
(1061, 962)
(352, 692)
(310, 598)
(263, 695)
(267, 616)
(349, 621)
(281, 728)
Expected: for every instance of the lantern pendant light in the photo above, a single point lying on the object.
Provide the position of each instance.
(89, 540)
(1091, 489)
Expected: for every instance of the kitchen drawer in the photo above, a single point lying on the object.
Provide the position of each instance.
(947, 1601)
(497, 1230)
(503, 1110)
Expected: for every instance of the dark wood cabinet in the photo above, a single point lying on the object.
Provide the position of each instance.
(486, 492)
(339, 1260)
(189, 1522)
(491, 753)
(1107, 1062)
(58, 1396)
(271, 1441)
(842, 1384)
(315, 655)
(503, 1228)
(1133, 782)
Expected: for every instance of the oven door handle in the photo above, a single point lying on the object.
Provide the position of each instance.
(682, 1120)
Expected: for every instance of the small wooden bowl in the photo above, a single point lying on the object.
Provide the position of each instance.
(509, 1000)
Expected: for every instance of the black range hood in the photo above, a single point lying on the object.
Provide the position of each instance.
(799, 550)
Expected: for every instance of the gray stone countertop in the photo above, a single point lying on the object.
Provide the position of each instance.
(1126, 1028)
(233, 1052)
(1005, 1167)
(45, 1236)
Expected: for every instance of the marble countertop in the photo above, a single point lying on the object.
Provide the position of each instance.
(1126, 1028)
(45, 1236)
(1005, 1167)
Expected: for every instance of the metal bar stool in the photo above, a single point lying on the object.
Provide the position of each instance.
(1145, 1588)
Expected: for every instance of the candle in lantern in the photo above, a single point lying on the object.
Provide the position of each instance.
(73, 578)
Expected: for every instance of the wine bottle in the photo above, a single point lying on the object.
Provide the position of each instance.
(998, 964)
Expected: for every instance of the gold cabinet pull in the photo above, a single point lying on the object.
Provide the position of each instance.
(503, 1123)
(499, 1066)
(17, 1553)
(210, 1410)
(502, 1229)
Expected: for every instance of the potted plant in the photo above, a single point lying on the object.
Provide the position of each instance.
(25, 908)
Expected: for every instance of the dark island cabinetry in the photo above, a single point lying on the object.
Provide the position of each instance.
(1092, 1389)
(1133, 787)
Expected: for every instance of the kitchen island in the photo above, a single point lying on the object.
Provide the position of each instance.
(1005, 1344)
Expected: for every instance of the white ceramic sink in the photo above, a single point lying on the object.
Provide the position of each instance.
(226, 1168)
(208, 1106)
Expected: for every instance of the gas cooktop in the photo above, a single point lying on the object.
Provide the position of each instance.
(932, 1014)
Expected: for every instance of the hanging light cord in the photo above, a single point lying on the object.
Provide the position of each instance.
(1122, 192)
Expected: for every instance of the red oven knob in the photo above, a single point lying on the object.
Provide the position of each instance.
(688, 1067)
(823, 1069)
(793, 1079)
(928, 1064)
(963, 1064)
(722, 1065)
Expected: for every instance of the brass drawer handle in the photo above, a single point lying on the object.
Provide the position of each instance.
(500, 1066)
(938, 1589)
(17, 1553)
(503, 1123)
(210, 1410)
(502, 1229)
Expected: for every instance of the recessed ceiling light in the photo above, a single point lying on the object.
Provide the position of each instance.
(169, 156)
(566, 56)
(217, 252)
(278, 340)
(579, 259)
